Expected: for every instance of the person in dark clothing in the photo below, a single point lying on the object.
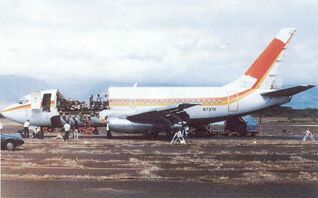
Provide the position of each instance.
(21, 132)
(98, 102)
(106, 102)
(91, 101)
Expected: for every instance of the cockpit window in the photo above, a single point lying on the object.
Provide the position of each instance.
(23, 101)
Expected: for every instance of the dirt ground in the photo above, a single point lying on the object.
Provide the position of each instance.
(273, 164)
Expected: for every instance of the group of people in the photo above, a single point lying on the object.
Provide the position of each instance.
(75, 105)
(37, 132)
(72, 105)
(99, 103)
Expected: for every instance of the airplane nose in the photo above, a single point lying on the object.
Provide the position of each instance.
(6, 112)
(3, 112)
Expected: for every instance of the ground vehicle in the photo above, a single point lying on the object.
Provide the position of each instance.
(10, 141)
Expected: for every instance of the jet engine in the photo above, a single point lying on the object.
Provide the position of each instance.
(123, 125)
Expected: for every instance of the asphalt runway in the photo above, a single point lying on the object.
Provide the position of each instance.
(141, 189)
(269, 165)
(141, 168)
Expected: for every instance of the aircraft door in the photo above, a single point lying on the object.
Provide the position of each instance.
(46, 102)
(233, 102)
(36, 100)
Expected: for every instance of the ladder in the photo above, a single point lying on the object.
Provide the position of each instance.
(178, 137)
(308, 135)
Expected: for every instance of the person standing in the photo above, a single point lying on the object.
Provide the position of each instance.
(106, 101)
(26, 128)
(99, 98)
(76, 129)
(36, 132)
(67, 129)
(91, 101)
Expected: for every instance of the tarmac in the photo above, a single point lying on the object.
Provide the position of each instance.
(273, 164)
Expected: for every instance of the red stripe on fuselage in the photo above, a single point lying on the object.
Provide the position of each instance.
(264, 62)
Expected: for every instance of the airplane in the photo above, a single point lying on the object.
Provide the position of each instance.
(155, 109)
(150, 110)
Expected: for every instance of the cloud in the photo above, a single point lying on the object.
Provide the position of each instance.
(205, 42)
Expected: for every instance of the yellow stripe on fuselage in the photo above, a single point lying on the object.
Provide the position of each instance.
(25, 107)
(21, 107)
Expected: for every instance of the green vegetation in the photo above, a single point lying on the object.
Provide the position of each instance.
(289, 112)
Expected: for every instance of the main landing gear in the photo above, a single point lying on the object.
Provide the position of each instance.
(235, 125)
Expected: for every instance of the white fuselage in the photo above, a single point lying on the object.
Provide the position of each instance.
(214, 103)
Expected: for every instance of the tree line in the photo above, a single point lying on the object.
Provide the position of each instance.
(281, 111)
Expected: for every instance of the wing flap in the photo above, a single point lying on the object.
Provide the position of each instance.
(288, 91)
(159, 113)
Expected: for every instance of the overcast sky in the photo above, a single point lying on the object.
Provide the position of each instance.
(204, 42)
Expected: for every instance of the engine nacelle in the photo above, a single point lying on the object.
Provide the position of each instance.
(122, 125)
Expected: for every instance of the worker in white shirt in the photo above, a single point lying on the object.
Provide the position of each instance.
(1, 127)
(36, 133)
(67, 129)
(26, 128)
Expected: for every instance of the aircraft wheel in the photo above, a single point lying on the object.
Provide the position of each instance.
(148, 135)
(95, 131)
(252, 134)
(109, 135)
(155, 134)
(225, 134)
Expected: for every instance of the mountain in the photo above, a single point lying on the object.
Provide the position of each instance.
(12, 87)
(306, 99)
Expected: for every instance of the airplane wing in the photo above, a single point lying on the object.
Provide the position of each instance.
(288, 91)
(174, 111)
